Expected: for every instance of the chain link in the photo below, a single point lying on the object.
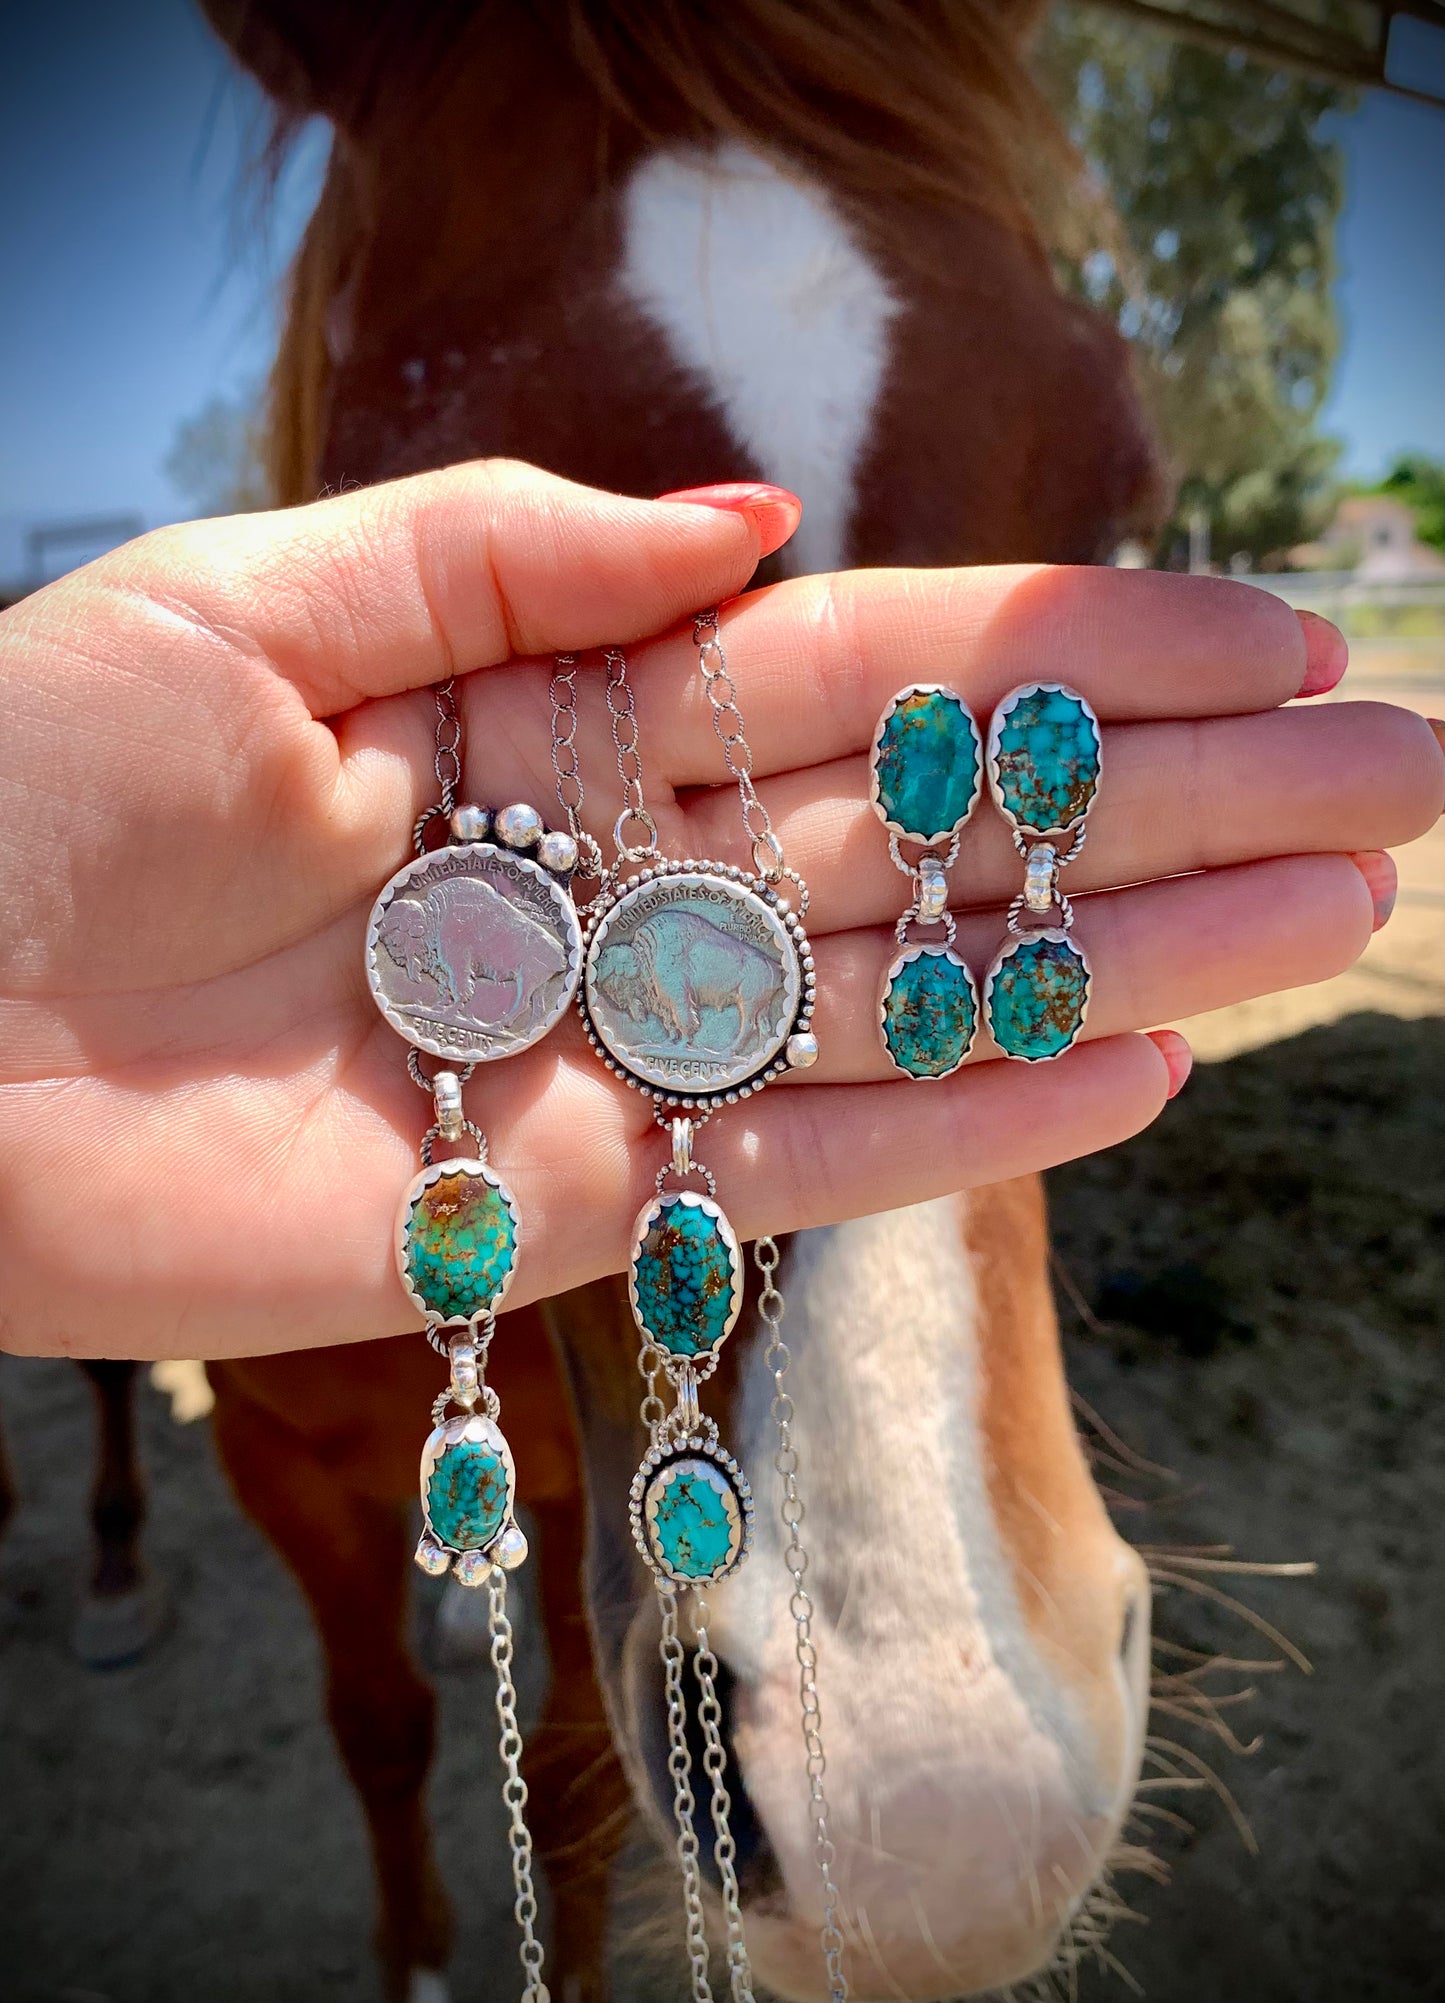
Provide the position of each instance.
(777, 1359)
(567, 767)
(727, 722)
(448, 760)
(714, 1760)
(514, 1789)
(684, 1804)
(623, 718)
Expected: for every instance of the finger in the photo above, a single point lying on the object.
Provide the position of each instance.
(1174, 797)
(815, 660)
(1158, 953)
(396, 586)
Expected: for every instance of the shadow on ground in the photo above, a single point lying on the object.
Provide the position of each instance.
(1251, 1295)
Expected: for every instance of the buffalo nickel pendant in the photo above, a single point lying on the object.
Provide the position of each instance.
(698, 984)
(473, 952)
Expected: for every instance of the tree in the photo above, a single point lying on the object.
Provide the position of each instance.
(1227, 187)
(215, 460)
(1419, 482)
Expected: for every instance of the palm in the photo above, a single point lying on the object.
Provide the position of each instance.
(205, 1126)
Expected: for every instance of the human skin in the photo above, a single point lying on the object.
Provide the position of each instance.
(216, 741)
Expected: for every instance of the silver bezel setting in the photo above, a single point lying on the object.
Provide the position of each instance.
(995, 737)
(703, 1359)
(457, 1047)
(476, 1429)
(467, 1165)
(875, 793)
(676, 1452)
(791, 928)
(1011, 946)
(904, 959)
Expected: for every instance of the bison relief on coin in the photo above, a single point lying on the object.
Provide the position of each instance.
(473, 952)
(697, 980)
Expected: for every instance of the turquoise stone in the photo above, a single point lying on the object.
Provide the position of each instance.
(467, 1495)
(930, 1013)
(683, 1276)
(692, 1518)
(927, 763)
(1036, 997)
(1047, 760)
(461, 1244)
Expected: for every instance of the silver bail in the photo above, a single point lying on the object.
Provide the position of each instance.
(447, 1097)
(1041, 878)
(681, 1148)
(932, 890)
(466, 1377)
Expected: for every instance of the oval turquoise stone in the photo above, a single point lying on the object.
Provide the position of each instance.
(683, 1276)
(927, 764)
(930, 1013)
(693, 1518)
(467, 1495)
(461, 1244)
(1047, 760)
(1036, 998)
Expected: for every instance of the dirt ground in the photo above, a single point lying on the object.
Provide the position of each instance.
(1252, 1297)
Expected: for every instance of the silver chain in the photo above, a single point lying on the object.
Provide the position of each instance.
(514, 1789)
(679, 1766)
(567, 767)
(795, 1557)
(727, 721)
(447, 762)
(623, 718)
(714, 1760)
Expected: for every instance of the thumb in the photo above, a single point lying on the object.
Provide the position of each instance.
(393, 587)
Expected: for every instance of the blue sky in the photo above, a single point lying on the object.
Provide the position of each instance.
(137, 288)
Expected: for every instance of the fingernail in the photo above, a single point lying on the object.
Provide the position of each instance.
(1176, 1054)
(775, 511)
(1439, 729)
(1327, 654)
(1379, 871)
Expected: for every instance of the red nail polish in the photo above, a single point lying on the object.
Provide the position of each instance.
(1177, 1056)
(1327, 654)
(774, 511)
(1379, 871)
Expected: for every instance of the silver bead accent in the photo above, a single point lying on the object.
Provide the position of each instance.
(434, 1561)
(472, 1568)
(1041, 877)
(470, 824)
(510, 1549)
(932, 890)
(557, 852)
(466, 1380)
(447, 1095)
(518, 826)
(802, 1050)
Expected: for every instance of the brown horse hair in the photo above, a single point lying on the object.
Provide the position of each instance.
(924, 102)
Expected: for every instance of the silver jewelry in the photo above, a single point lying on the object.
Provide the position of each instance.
(698, 987)
(473, 952)
(1045, 757)
(925, 779)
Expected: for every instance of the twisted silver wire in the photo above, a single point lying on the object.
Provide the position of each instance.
(514, 1790)
(777, 1359)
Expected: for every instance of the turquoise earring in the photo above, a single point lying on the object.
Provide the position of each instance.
(927, 776)
(1044, 760)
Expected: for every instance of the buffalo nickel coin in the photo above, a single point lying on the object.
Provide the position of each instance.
(473, 952)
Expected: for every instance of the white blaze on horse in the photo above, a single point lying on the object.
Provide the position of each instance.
(649, 251)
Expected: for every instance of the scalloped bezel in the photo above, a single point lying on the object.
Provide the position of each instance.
(654, 1462)
(1006, 952)
(704, 1360)
(995, 735)
(875, 791)
(415, 1190)
(904, 959)
(476, 1428)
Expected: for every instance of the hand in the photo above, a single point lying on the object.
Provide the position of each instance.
(217, 740)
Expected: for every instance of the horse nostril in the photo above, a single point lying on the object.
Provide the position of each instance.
(1128, 1627)
(757, 1868)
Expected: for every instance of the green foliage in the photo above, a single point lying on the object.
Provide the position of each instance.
(1227, 187)
(1419, 482)
(215, 460)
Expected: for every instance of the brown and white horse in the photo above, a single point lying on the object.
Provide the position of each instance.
(651, 245)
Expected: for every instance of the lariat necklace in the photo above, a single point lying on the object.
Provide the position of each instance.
(697, 990)
(473, 952)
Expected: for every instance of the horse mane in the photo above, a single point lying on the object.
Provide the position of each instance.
(928, 103)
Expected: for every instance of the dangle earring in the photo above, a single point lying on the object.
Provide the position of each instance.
(473, 952)
(926, 771)
(1044, 760)
(697, 990)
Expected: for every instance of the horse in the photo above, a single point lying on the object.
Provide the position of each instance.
(651, 244)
